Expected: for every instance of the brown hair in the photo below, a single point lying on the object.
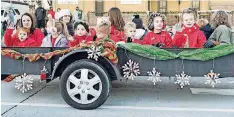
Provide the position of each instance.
(62, 28)
(220, 18)
(116, 18)
(32, 28)
(190, 10)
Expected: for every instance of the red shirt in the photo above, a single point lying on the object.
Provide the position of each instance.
(79, 39)
(52, 13)
(118, 34)
(154, 38)
(196, 38)
(10, 39)
(53, 41)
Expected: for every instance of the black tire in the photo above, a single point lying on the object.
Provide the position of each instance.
(95, 67)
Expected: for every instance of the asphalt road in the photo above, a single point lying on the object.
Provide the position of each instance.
(138, 98)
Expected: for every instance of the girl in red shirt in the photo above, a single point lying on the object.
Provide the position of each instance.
(27, 22)
(81, 34)
(23, 39)
(57, 36)
(189, 36)
(157, 37)
(117, 23)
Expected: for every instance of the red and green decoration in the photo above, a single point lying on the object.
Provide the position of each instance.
(107, 48)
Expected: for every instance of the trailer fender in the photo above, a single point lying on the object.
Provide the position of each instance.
(73, 56)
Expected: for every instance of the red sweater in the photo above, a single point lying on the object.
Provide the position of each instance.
(153, 38)
(118, 34)
(52, 13)
(79, 39)
(10, 39)
(196, 38)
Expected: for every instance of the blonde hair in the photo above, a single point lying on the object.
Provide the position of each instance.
(129, 25)
(220, 18)
(188, 11)
(202, 22)
(23, 29)
(103, 25)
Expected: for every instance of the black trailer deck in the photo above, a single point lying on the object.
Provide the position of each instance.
(223, 65)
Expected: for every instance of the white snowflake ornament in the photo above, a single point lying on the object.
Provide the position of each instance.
(131, 70)
(94, 52)
(212, 78)
(154, 76)
(182, 79)
(24, 83)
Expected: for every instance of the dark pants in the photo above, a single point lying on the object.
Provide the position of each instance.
(41, 23)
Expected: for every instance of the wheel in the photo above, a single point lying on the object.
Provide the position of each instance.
(85, 85)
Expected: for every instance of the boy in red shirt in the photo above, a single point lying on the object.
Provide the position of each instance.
(189, 36)
(130, 32)
(81, 34)
(23, 39)
(157, 37)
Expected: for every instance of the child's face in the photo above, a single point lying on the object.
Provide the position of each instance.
(158, 23)
(188, 19)
(22, 35)
(66, 18)
(81, 31)
(53, 30)
(131, 32)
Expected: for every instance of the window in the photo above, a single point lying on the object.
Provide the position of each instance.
(163, 6)
(2, 11)
(130, 1)
(196, 4)
(67, 1)
(17, 11)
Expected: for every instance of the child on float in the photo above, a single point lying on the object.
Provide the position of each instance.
(189, 35)
(57, 36)
(130, 33)
(222, 34)
(23, 39)
(81, 34)
(157, 37)
(103, 29)
(205, 27)
(117, 23)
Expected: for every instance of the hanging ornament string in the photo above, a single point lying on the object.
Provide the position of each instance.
(23, 61)
(125, 50)
(182, 64)
(213, 65)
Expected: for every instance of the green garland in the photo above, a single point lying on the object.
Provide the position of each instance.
(152, 52)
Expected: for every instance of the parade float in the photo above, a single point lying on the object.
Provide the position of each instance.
(86, 71)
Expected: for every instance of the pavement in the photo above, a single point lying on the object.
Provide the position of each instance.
(137, 98)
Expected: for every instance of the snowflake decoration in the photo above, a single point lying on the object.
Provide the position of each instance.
(182, 79)
(154, 76)
(24, 83)
(212, 78)
(94, 52)
(131, 70)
